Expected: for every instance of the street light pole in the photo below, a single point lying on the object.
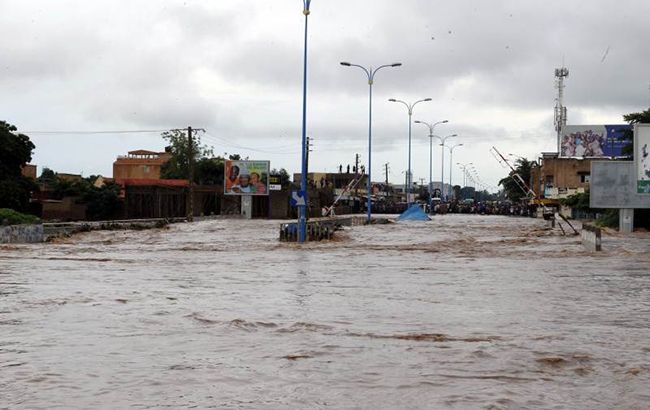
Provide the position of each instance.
(302, 208)
(464, 168)
(442, 162)
(409, 107)
(431, 127)
(370, 73)
(451, 162)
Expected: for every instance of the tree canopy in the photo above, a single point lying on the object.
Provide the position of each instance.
(178, 166)
(208, 169)
(523, 167)
(642, 117)
(15, 151)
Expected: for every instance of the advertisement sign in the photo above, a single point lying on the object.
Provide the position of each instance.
(246, 177)
(275, 183)
(642, 157)
(593, 140)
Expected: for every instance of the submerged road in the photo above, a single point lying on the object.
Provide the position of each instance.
(462, 312)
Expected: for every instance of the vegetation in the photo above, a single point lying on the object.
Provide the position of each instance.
(208, 169)
(15, 151)
(285, 179)
(102, 202)
(523, 167)
(11, 217)
(578, 201)
(642, 117)
(608, 218)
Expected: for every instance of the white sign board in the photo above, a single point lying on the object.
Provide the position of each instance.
(642, 157)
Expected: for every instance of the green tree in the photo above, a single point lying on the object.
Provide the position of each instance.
(285, 179)
(177, 166)
(15, 151)
(102, 203)
(642, 117)
(209, 171)
(523, 168)
(48, 177)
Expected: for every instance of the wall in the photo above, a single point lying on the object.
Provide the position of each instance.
(21, 234)
(133, 167)
(566, 176)
(64, 210)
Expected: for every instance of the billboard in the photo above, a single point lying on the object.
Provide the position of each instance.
(642, 157)
(593, 140)
(614, 185)
(246, 177)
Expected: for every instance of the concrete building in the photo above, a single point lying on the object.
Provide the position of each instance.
(556, 177)
(139, 164)
(29, 171)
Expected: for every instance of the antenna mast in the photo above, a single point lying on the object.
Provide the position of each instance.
(560, 109)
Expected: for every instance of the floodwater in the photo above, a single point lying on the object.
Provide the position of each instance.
(463, 312)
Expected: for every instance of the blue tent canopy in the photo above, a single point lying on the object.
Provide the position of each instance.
(414, 213)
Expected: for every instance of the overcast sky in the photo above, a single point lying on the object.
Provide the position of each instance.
(234, 67)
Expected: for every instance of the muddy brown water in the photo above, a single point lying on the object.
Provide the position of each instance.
(462, 312)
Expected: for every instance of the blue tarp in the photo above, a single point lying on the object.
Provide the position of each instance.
(414, 213)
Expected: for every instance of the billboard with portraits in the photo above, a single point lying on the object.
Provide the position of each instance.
(246, 177)
(593, 140)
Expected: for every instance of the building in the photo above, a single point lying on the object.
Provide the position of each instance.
(556, 177)
(29, 171)
(69, 177)
(139, 164)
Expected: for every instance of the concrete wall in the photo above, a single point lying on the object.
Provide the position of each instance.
(21, 234)
(591, 237)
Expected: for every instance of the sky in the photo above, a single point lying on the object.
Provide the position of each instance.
(234, 68)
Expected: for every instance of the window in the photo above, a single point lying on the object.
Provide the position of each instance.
(584, 178)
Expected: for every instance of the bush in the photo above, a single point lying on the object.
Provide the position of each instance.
(11, 217)
(609, 218)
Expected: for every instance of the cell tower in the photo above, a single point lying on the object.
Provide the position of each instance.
(560, 109)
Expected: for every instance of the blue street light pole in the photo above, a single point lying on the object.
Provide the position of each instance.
(409, 173)
(442, 163)
(431, 127)
(370, 73)
(451, 161)
(302, 208)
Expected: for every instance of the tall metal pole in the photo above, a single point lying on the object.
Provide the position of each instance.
(431, 127)
(408, 194)
(190, 168)
(451, 162)
(302, 208)
(409, 172)
(442, 172)
(442, 162)
(431, 170)
(369, 184)
(370, 73)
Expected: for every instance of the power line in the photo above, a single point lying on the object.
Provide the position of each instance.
(94, 132)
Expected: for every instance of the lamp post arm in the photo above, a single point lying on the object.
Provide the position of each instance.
(372, 73)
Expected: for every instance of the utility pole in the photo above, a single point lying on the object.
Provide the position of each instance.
(190, 168)
(307, 151)
(356, 175)
(356, 164)
(387, 171)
